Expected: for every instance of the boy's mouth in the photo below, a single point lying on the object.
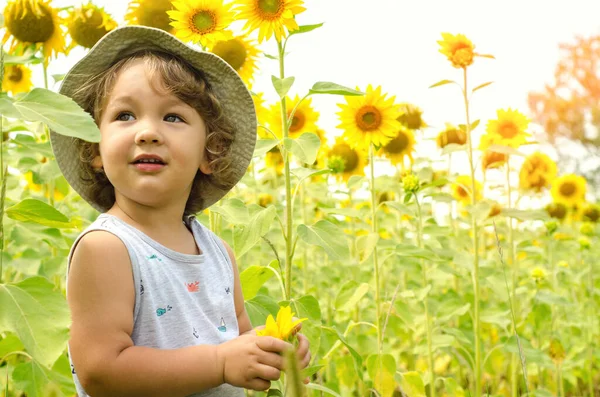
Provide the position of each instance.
(148, 159)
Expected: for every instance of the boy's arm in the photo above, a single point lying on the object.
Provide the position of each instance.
(101, 297)
(244, 323)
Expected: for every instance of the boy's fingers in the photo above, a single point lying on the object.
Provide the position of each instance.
(270, 344)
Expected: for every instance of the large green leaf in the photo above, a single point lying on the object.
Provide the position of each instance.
(38, 381)
(358, 361)
(233, 210)
(307, 306)
(412, 384)
(32, 210)
(326, 235)
(259, 308)
(38, 314)
(253, 278)
(326, 87)
(263, 146)
(59, 113)
(305, 29)
(350, 294)
(246, 237)
(365, 245)
(305, 147)
(381, 369)
(7, 109)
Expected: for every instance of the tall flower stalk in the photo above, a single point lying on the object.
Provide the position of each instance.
(475, 240)
(375, 258)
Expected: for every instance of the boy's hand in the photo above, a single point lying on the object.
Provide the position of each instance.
(251, 361)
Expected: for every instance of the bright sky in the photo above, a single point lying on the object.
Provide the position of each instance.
(392, 43)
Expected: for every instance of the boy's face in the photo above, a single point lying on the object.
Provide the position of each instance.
(139, 121)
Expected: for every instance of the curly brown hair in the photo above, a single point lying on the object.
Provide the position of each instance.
(187, 84)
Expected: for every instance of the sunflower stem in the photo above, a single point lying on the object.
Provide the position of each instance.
(474, 228)
(426, 283)
(289, 254)
(591, 331)
(374, 229)
(2, 176)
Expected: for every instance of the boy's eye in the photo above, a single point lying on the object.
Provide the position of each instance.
(124, 116)
(173, 118)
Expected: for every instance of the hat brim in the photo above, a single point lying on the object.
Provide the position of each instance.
(226, 84)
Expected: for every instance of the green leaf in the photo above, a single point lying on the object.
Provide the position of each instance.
(59, 113)
(310, 371)
(307, 306)
(282, 86)
(452, 388)
(7, 109)
(32, 210)
(9, 344)
(233, 210)
(271, 56)
(246, 237)
(316, 386)
(474, 124)
(413, 251)
(350, 212)
(38, 314)
(253, 278)
(58, 77)
(356, 181)
(259, 308)
(305, 147)
(302, 173)
(501, 318)
(327, 236)
(480, 86)
(454, 147)
(263, 146)
(551, 298)
(305, 29)
(326, 87)
(365, 245)
(350, 294)
(28, 57)
(357, 358)
(31, 378)
(525, 215)
(442, 82)
(401, 208)
(274, 393)
(412, 384)
(381, 369)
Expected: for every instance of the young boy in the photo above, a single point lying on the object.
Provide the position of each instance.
(155, 297)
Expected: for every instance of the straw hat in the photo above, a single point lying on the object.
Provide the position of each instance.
(226, 84)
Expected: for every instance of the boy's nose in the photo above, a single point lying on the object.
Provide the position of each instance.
(148, 135)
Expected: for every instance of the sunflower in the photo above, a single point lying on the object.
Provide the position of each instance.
(17, 78)
(371, 118)
(461, 189)
(411, 116)
(151, 13)
(88, 23)
(493, 159)
(451, 135)
(33, 22)
(508, 129)
(536, 173)
(557, 210)
(305, 118)
(569, 190)
(403, 145)
(591, 212)
(458, 49)
(269, 16)
(201, 21)
(345, 161)
(241, 54)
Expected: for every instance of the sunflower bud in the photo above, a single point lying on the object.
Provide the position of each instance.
(336, 164)
(556, 351)
(410, 183)
(587, 229)
(538, 274)
(551, 226)
(584, 243)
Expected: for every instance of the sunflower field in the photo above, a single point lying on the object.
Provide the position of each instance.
(468, 271)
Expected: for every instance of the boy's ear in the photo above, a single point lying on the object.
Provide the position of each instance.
(205, 167)
(97, 163)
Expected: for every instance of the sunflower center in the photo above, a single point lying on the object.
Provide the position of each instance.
(297, 122)
(203, 22)
(508, 130)
(368, 118)
(462, 192)
(232, 51)
(15, 74)
(398, 144)
(154, 13)
(31, 24)
(567, 189)
(349, 156)
(272, 8)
